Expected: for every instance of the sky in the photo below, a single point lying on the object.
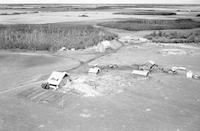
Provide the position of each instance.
(104, 1)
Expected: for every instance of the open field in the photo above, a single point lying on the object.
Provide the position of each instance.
(51, 36)
(115, 99)
(151, 24)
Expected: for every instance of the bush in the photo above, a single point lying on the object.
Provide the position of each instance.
(51, 36)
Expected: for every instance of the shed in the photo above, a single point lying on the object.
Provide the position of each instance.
(94, 70)
(56, 79)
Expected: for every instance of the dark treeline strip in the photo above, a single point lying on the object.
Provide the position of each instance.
(151, 24)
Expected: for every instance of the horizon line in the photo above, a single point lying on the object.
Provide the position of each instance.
(110, 3)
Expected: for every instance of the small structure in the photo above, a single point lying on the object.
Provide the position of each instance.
(94, 70)
(189, 74)
(83, 15)
(56, 79)
(62, 48)
(140, 72)
(106, 43)
(196, 76)
(73, 49)
(178, 68)
(102, 46)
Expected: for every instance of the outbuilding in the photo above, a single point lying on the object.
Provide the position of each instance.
(56, 80)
